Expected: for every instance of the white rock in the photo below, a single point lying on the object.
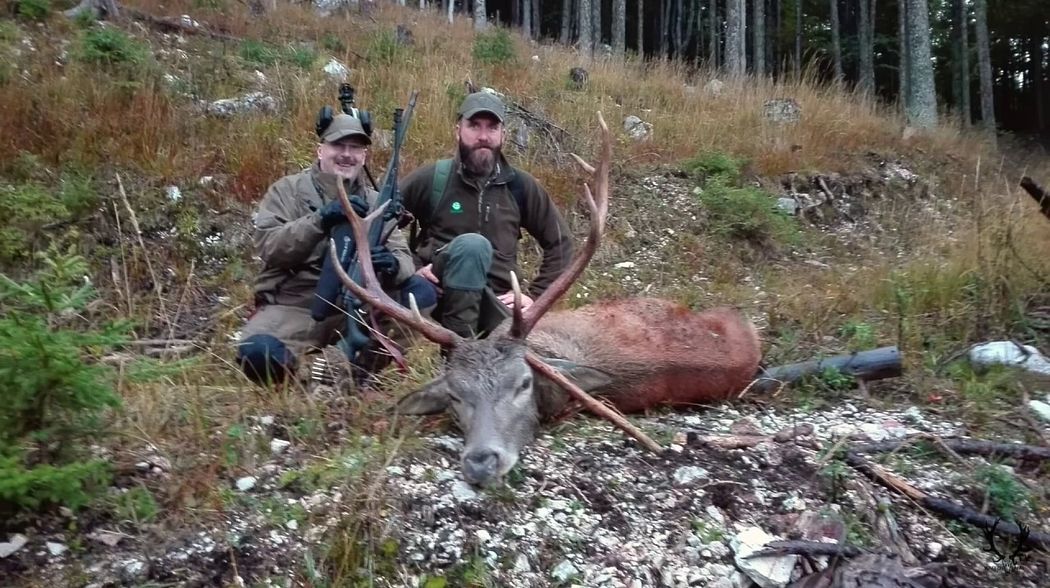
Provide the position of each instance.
(636, 128)
(134, 568)
(740, 580)
(13, 544)
(246, 483)
(536, 58)
(109, 538)
(1040, 408)
(1008, 353)
(336, 71)
(934, 549)
(277, 446)
(292, 525)
(564, 571)
(624, 265)
(715, 514)
(55, 548)
(462, 491)
(767, 572)
(251, 102)
(686, 475)
(714, 87)
(521, 564)
(266, 420)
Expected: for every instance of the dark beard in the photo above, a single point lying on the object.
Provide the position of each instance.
(471, 162)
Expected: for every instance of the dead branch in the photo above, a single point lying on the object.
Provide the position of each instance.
(944, 507)
(963, 446)
(591, 403)
(808, 548)
(747, 441)
(1038, 193)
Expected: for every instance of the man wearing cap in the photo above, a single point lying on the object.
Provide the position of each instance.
(292, 225)
(471, 210)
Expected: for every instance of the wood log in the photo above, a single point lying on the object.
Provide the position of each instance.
(1041, 196)
(874, 364)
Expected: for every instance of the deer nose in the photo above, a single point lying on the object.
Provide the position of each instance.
(480, 465)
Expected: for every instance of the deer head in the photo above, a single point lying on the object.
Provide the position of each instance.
(488, 384)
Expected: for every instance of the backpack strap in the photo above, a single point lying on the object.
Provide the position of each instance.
(442, 170)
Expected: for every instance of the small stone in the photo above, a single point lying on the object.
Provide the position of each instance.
(266, 420)
(292, 525)
(55, 548)
(1040, 408)
(624, 265)
(934, 549)
(336, 70)
(246, 483)
(715, 514)
(687, 475)
(13, 544)
(483, 536)
(134, 568)
(462, 491)
(564, 571)
(277, 446)
(788, 205)
(521, 564)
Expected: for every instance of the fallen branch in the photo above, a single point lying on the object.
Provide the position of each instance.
(944, 507)
(591, 403)
(808, 548)
(747, 441)
(1041, 196)
(874, 364)
(963, 446)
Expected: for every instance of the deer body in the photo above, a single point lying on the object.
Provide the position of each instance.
(654, 352)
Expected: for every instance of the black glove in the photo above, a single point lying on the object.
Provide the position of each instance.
(384, 262)
(332, 213)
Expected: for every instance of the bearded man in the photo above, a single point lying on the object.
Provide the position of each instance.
(471, 211)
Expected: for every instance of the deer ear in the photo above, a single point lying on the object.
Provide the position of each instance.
(587, 378)
(430, 399)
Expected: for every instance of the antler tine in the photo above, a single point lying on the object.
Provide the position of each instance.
(372, 293)
(515, 328)
(598, 208)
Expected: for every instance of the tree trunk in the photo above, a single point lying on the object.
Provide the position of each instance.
(1036, 44)
(641, 28)
(962, 60)
(712, 41)
(479, 15)
(903, 58)
(758, 38)
(584, 40)
(922, 111)
(734, 30)
(866, 65)
(798, 40)
(984, 64)
(566, 22)
(537, 32)
(836, 43)
(679, 28)
(619, 27)
(665, 19)
(526, 17)
(596, 24)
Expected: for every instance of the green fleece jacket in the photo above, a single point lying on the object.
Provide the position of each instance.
(487, 207)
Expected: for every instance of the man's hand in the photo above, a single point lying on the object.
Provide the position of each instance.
(332, 214)
(508, 300)
(384, 262)
(427, 273)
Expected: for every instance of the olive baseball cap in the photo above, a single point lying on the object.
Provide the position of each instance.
(479, 102)
(343, 126)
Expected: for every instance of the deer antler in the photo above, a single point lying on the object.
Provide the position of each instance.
(372, 293)
(598, 205)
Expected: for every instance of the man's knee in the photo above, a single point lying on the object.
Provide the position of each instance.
(469, 257)
(265, 359)
(421, 289)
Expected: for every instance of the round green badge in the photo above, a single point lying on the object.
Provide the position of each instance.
(457, 207)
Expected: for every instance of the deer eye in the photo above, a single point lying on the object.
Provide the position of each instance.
(525, 384)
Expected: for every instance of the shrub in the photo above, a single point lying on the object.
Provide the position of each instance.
(26, 208)
(494, 47)
(714, 164)
(259, 53)
(383, 48)
(111, 47)
(54, 390)
(33, 9)
(746, 213)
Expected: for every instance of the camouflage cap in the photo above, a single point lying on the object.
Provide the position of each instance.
(343, 126)
(479, 102)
